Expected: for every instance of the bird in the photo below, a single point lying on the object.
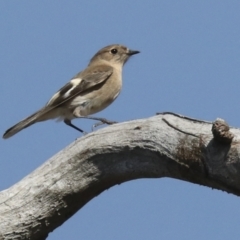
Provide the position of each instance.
(87, 93)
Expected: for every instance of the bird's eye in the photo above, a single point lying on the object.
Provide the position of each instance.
(114, 51)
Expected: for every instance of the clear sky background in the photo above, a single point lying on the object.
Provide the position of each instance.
(189, 64)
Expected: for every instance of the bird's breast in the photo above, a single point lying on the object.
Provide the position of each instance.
(100, 98)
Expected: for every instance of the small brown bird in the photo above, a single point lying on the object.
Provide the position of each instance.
(90, 91)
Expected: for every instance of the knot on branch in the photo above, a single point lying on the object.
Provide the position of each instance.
(220, 131)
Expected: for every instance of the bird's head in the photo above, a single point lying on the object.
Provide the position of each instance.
(116, 54)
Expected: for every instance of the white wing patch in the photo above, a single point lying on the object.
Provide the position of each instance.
(53, 98)
(75, 82)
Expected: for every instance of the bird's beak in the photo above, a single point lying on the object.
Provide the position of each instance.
(132, 52)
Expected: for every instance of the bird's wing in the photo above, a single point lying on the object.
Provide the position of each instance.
(83, 82)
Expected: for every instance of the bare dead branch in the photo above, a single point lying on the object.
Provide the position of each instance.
(166, 145)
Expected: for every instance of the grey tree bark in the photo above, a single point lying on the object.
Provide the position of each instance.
(166, 145)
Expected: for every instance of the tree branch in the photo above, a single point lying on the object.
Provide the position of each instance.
(166, 145)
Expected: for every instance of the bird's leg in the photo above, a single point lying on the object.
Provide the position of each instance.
(68, 122)
(101, 120)
(77, 114)
(97, 124)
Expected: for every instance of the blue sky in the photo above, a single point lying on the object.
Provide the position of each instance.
(189, 64)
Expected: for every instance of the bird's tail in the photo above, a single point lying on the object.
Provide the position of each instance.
(35, 117)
